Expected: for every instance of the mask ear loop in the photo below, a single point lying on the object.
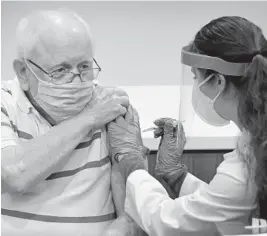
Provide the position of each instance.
(216, 97)
(37, 77)
(205, 81)
(219, 94)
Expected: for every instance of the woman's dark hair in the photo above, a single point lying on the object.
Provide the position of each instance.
(235, 39)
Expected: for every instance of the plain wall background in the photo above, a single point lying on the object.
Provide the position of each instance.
(137, 43)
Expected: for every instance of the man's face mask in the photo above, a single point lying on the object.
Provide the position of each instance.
(204, 106)
(63, 101)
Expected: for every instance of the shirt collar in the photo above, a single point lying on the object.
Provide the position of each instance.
(20, 97)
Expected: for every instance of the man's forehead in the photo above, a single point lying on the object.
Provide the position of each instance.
(51, 62)
(62, 38)
(61, 51)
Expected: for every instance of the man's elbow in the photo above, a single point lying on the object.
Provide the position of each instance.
(12, 182)
(13, 172)
(14, 187)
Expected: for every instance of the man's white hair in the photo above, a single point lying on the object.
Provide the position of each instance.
(31, 27)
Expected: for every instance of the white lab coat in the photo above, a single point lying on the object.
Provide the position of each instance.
(224, 206)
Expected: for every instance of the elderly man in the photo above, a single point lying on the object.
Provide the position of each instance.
(56, 173)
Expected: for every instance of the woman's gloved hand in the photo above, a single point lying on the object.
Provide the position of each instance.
(173, 140)
(124, 134)
(125, 142)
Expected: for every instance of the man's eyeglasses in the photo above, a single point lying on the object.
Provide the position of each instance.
(64, 76)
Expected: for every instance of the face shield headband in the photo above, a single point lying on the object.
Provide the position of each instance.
(219, 65)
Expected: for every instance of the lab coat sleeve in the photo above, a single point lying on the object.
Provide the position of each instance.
(148, 204)
(190, 185)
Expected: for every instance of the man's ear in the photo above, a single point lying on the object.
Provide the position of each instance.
(20, 69)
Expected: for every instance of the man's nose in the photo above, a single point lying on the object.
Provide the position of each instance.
(76, 75)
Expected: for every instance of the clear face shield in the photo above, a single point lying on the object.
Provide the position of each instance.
(196, 105)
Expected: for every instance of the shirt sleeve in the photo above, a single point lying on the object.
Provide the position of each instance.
(202, 210)
(8, 135)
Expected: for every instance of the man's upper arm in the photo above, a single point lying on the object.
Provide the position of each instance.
(9, 140)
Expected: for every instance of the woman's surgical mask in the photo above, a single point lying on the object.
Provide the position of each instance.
(204, 106)
(63, 101)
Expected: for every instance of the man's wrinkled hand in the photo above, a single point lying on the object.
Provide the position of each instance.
(107, 104)
(106, 93)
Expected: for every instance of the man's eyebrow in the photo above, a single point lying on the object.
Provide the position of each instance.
(85, 61)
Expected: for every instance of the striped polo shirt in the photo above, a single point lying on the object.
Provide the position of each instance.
(76, 199)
